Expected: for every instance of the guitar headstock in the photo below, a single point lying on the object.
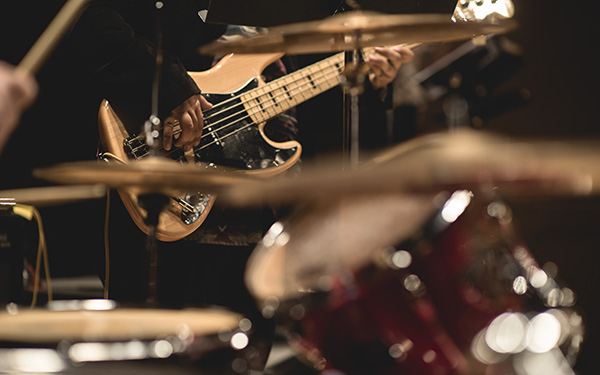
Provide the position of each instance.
(478, 10)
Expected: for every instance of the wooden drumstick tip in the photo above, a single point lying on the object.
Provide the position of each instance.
(38, 54)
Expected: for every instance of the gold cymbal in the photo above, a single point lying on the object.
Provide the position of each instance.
(52, 195)
(358, 29)
(443, 161)
(149, 175)
(52, 326)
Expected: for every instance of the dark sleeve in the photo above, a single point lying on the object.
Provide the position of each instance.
(380, 99)
(122, 62)
(373, 107)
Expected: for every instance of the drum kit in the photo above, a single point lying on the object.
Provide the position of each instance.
(406, 264)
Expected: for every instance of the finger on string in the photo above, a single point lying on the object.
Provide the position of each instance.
(406, 54)
(186, 127)
(204, 103)
(168, 134)
(200, 128)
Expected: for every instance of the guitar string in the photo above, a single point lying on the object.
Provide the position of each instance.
(333, 60)
(242, 118)
(320, 68)
(288, 90)
(270, 106)
(276, 82)
(321, 73)
(325, 64)
(329, 62)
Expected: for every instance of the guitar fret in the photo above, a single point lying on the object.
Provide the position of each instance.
(287, 93)
(262, 108)
(292, 89)
(273, 99)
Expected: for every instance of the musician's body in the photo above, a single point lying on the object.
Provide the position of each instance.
(113, 48)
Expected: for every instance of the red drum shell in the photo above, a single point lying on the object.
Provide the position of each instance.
(332, 278)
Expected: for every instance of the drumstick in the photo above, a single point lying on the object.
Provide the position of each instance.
(37, 55)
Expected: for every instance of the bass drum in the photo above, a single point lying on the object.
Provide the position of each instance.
(97, 337)
(424, 284)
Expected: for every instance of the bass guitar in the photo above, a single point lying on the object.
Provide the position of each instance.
(233, 134)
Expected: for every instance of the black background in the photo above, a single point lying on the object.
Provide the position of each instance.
(560, 70)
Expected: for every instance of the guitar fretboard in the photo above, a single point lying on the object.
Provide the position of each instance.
(277, 96)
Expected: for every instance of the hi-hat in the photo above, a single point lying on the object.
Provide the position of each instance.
(358, 29)
(149, 175)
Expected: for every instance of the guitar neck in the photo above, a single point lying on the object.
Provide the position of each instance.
(277, 96)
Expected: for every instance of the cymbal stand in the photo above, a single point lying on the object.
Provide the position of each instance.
(151, 127)
(353, 78)
(154, 203)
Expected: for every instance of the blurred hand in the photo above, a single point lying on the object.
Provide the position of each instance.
(18, 90)
(189, 116)
(385, 62)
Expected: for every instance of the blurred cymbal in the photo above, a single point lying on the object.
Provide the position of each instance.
(149, 175)
(357, 29)
(53, 195)
(99, 325)
(444, 161)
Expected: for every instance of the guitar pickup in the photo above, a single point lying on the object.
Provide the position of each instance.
(192, 206)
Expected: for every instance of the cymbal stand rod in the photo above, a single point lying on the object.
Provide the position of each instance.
(154, 205)
(152, 124)
(354, 125)
(353, 78)
(349, 59)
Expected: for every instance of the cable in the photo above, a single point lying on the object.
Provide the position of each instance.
(106, 247)
(29, 212)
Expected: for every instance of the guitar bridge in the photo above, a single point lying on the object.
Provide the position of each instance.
(192, 206)
(135, 147)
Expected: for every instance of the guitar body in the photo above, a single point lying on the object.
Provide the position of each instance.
(241, 144)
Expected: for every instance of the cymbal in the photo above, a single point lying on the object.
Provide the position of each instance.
(443, 161)
(52, 195)
(358, 29)
(52, 326)
(149, 175)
